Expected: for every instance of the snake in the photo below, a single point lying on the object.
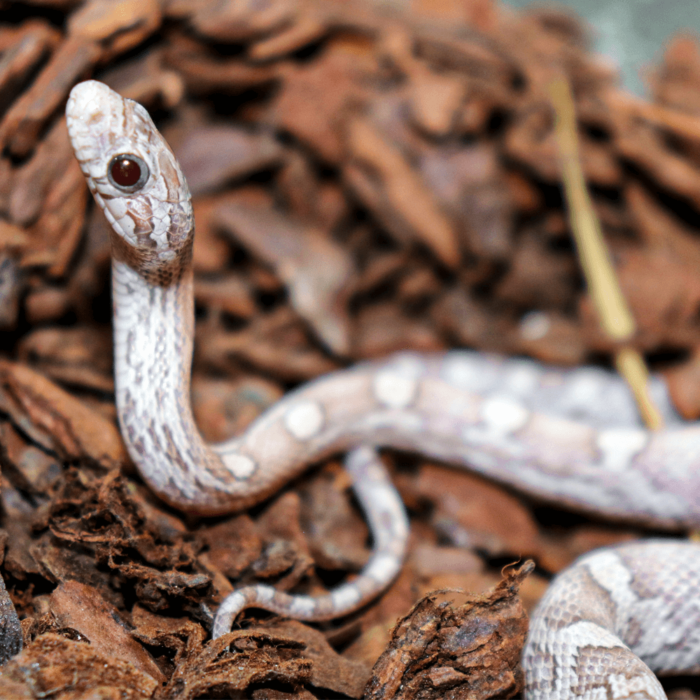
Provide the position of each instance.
(567, 436)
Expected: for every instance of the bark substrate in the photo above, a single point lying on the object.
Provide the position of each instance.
(366, 179)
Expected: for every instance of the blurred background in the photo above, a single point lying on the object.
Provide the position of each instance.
(631, 32)
(368, 177)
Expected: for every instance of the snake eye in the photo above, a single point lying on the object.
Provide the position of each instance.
(127, 172)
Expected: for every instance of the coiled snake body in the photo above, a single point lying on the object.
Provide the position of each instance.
(512, 420)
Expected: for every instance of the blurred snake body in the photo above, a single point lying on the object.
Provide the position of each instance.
(564, 436)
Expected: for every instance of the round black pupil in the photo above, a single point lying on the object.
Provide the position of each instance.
(125, 172)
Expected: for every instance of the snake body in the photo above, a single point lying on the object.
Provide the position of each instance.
(512, 420)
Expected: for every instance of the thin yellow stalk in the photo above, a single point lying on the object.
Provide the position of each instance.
(615, 316)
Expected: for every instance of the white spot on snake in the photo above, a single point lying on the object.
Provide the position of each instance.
(521, 378)
(304, 420)
(303, 605)
(619, 446)
(585, 386)
(241, 467)
(535, 325)
(503, 414)
(345, 597)
(264, 594)
(394, 389)
(382, 566)
(459, 370)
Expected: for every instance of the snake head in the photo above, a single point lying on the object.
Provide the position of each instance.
(133, 176)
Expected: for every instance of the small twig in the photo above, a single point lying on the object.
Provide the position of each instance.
(615, 316)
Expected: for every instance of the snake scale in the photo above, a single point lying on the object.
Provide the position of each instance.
(563, 436)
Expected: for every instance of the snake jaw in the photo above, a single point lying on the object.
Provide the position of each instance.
(153, 225)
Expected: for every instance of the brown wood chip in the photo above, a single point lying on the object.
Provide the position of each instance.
(314, 269)
(83, 609)
(403, 190)
(23, 50)
(118, 25)
(368, 178)
(76, 431)
(22, 125)
(445, 644)
(52, 662)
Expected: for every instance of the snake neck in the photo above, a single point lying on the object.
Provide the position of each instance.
(153, 329)
(151, 267)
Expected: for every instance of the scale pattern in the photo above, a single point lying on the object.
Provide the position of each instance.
(564, 436)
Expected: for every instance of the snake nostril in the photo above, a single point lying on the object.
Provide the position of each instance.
(127, 172)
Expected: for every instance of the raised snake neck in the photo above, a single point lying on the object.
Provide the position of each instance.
(476, 411)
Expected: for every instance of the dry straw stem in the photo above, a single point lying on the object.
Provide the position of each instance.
(615, 316)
